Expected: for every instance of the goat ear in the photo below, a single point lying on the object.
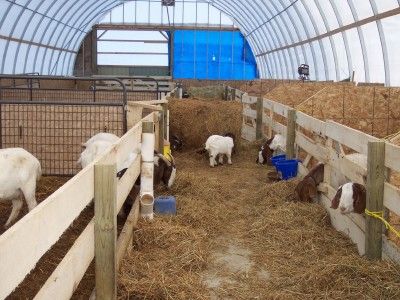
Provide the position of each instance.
(336, 199)
(268, 142)
(312, 189)
(359, 196)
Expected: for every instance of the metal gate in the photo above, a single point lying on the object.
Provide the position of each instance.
(52, 116)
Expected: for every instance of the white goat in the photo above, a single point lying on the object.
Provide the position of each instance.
(278, 141)
(102, 136)
(20, 171)
(221, 145)
(98, 145)
(92, 151)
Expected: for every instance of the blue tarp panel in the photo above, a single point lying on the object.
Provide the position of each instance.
(219, 55)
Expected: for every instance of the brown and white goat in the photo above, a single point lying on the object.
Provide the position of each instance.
(306, 189)
(265, 153)
(164, 171)
(350, 197)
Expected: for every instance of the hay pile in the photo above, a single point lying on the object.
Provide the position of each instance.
(212, 92)
(291, 250)
(196, 120)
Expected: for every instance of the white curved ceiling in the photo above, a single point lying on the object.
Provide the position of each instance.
(334, 37)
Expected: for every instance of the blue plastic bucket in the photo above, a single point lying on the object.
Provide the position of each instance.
(288, 168)
(165, 205)
(275, 159)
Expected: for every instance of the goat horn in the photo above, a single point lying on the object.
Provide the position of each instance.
(164, 159)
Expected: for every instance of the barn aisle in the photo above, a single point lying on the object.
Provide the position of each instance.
(237, 236)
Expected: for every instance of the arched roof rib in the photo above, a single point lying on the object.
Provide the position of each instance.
(332, 36)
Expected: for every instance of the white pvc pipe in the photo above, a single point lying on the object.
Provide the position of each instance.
(146, 176)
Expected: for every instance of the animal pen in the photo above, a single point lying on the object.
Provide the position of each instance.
(51, 218)
(329, 142)
(52, 116)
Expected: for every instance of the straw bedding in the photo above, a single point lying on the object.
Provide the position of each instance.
(238, 236)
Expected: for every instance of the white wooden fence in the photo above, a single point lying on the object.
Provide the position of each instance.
(30, 238)
(329, 142)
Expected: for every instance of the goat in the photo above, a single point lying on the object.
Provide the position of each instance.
(265, 153)
(270, 146)
(92, 151)
(350, 197)
(233, 136)
(20, 171)
(164, 170)
(176, 142)
(278, 141)
(219, 145)
(102, 136)
(306, 189)
(98, 144)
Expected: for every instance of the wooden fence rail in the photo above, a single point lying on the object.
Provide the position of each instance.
(331, 143)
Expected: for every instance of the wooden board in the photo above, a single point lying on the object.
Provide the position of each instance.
(128, 143)
(248, 133)
(250, 113)
(279, 128)
(346, 225)
(268, 104)
(348, 167)
(310, 123)
(42, 227)
(390, 251)
(303, 171)
(350, 137)
(311, 147)
(65, 279)
(280, 109)
(392, 155)
(249, 99)
(126, 183)
(391, 198)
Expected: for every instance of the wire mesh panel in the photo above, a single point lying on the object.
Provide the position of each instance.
(53, 119)
(54, 132)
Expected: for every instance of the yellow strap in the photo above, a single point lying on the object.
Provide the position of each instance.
(168, 156)
(379, 215)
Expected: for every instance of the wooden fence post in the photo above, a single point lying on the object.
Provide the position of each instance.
(375, 187)
(271, 124)
(105, 230)
(226, 91)
(290, 133)
(259, 120)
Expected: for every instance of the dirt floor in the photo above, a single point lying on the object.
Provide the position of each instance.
(237, 236)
